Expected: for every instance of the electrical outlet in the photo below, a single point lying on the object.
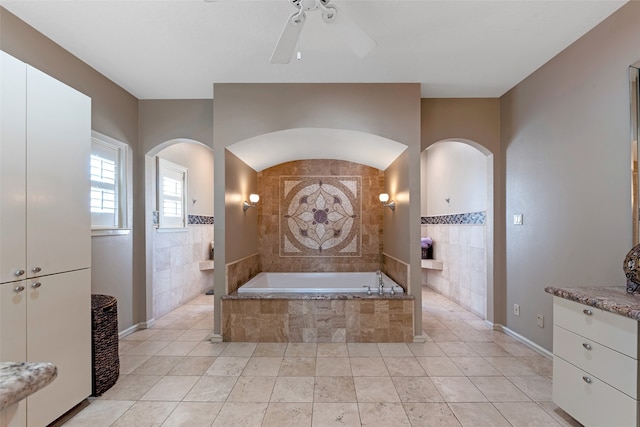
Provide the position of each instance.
(516, 309)
(540, 320)
(517, 219)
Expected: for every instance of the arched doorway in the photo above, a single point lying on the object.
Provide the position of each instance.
(177, 267)
(457, 213)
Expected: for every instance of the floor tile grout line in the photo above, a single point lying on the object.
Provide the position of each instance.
(383, 355)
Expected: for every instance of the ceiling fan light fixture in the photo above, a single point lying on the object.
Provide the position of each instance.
(288, 38)
(353, 35)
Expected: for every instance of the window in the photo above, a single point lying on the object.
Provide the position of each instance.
(172, 194)
(108, 165)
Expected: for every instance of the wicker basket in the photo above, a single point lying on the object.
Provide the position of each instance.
(104, 340)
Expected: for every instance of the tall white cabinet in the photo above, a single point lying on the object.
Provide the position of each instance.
(45, 246)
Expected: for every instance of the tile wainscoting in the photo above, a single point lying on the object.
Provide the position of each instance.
(176, 276)
(462, 248)
(241, 271)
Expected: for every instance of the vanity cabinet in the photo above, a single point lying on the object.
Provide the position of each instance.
(45, 237)
(595, 364)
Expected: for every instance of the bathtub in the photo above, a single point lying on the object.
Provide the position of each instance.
(317, 283)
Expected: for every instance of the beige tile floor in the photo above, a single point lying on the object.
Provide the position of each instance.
(464, 375)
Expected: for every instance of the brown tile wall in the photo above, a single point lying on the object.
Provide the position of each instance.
(296, 320)
(239, 272)
(269, 220)
(397, 270)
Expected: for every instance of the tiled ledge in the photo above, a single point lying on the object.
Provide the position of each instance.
(206, 265)
(432, 264)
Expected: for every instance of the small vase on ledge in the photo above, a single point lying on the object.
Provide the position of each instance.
(427, 253)
(426, 243)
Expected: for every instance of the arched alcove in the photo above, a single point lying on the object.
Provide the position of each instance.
(457, 213)
(174, 256)
(273, 148)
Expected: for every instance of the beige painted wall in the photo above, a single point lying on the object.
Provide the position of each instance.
(163, 120)
(241, 228)
(114, 113)
(473, 119)
(565, 134)
(477, 121)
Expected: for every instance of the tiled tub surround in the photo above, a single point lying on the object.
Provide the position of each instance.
(177, 277)
(397, 270)
(353, 220)
(317, 318)
(463, 250)
(241, 271)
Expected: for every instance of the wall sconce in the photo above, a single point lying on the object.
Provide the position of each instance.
(253, 199)
(384, 198)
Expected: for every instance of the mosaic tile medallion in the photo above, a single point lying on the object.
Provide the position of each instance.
(320, 216)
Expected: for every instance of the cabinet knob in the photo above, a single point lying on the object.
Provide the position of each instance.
(586, 379)
(587, 312)
(19, 273)
(36, 285)
(587, 346)
(36, 269)
(19, 288)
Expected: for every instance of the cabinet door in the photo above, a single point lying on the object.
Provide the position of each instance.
(59, 331)
(13, 341)
(13, 318)
(13, 89)
(58, 150)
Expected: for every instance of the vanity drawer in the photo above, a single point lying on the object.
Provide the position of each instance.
(612, 330)
(592, 403)
(616, 369)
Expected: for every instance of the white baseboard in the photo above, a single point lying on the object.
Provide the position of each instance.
(136, 327)
(524, 340)
(128, 331)
(148, 324)
(216, 338)
(419, 338)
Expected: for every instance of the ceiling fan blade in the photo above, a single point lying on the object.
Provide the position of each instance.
(288, 39)
(357, 39)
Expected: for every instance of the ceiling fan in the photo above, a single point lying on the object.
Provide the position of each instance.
(359, 41)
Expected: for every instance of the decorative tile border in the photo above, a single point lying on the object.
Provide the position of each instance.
(476, 218)
(200, 220)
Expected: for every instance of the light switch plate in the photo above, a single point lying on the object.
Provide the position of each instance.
(517, 219)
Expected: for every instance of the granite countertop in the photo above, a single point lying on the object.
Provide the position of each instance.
(314, 296)
(20, 379)
(614, 299)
